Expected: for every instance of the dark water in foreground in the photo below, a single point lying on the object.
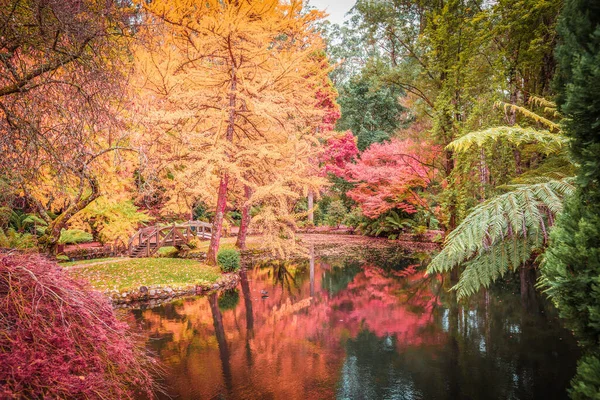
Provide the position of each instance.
(338, 328)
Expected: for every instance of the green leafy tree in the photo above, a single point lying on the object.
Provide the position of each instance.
(370, 110)
(454, 60)
(336, 213)
(571, 270)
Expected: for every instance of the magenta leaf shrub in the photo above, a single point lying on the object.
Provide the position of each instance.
(61, 339)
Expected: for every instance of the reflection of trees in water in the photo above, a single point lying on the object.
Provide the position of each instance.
(249, 315)
(288, 274)
(228, 300)
(372, 370)
(384, 333)
(338, 277)
(392, 258)
(499, 348)
(221, 340)
(494, 348)
(489, 354)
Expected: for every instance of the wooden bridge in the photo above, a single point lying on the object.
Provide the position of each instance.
(148, 240)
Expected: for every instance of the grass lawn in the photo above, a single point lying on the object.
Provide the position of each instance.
(133, 273)
(93, 260)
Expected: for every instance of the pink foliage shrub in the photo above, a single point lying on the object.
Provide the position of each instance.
(391, 175)
(339, 152)
(60, 339)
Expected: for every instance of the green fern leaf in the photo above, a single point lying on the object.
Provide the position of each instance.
(501, 233)
(546, 142)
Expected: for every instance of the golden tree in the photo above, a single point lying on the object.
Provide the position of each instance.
(232, 86)
(61, 75)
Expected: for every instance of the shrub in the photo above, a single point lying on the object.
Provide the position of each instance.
(167, 252)
(14, 240)
(75, 236)
(194, 243)
(336, 213)
(228, 260)
(61, 339)
(354, 218)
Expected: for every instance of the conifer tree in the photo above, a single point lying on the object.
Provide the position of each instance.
(571, 271)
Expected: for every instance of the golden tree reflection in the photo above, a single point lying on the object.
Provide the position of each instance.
(292, 343)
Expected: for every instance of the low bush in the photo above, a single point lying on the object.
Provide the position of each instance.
(167, 252)
(336, 213)
(75, 236)
(60, 339)
(228, 260)
(12, 239)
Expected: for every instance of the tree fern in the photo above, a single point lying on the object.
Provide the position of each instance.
(553, 126)
(549, 106)
(547, 142)
(501, 234)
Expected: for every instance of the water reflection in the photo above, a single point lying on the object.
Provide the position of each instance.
(327, 328)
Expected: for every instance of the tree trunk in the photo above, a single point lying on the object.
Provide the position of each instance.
(527, 276)
(517, 154)
(454, 275)
(511, 119)
(245, 222)
(448, 168)
(483, 173)
(213, 249)
(211, 256)
(49, 241)
(311, 214)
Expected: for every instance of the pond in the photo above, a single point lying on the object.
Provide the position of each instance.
(368, 327)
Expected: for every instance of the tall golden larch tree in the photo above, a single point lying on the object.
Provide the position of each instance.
(231, 77)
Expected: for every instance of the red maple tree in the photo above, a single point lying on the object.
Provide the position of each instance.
(392, 175)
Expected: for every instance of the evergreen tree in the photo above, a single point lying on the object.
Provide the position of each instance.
(370, 110)
(571, 271)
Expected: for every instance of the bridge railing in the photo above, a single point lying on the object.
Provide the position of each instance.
(154, 237)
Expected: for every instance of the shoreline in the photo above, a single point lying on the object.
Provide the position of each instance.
(157, 294)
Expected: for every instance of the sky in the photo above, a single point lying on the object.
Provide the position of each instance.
(335, 8)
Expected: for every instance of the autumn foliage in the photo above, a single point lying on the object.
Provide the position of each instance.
(338, 154)
(62, 340)
(392, 175)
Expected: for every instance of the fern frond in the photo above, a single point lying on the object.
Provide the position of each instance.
(501, 233)
(547, 142)
(549, 106)
(553, 126)
(555, 167)
(485, 269)
(542, 102)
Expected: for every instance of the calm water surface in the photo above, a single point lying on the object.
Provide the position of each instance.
(339, 328)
